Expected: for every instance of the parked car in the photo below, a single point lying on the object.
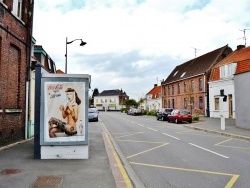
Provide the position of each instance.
(134, 111)
(163, 113)
(180, 115)
(93, 114)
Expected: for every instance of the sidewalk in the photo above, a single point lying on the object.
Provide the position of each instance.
(213, 125)
(19, 169)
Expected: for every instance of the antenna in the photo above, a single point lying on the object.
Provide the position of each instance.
(244, 31)
(195, 51)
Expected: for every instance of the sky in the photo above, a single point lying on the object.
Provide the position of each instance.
(134, 44)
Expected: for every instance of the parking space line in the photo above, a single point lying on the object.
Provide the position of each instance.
(223, 142)
(129, 135)
(229, 184)
(171, 136)
(209, 150)
(151, 129)
(146, 151)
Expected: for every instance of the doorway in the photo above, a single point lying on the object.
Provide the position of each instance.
(230, 106)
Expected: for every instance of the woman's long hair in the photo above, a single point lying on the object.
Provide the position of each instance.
(78, 100)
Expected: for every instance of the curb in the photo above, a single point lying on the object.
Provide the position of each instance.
(218, 132)
(14, 144)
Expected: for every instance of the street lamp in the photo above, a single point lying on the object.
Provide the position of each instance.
(66, 55)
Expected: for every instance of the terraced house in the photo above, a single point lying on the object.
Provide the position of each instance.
(187, 85)
(16, 18)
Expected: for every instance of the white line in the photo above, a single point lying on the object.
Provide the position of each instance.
(140, 125)
(209, 150)
(171, 136)
(151, 129)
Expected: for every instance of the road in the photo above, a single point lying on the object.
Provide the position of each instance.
(166, 154)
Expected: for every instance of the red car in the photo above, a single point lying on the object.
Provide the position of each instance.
(179, 115)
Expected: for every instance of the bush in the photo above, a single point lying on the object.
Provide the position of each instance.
(124, 110)
(196, 117)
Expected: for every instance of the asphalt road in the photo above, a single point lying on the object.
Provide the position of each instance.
(166, 154)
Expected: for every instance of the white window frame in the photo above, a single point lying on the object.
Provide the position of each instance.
(228, 70)
(17, 8)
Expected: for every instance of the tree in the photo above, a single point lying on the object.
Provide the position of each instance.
(91, 98)
(130, 102)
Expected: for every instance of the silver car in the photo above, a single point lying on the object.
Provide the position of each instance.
(93, 114)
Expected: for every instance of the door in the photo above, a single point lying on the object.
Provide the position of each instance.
(230, 106)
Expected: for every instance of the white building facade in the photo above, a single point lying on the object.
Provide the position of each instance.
(110, 100)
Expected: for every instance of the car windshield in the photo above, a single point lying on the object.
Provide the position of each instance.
(91, 110)
(184, 112)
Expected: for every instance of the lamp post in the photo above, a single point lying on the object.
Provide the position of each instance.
(66, 55)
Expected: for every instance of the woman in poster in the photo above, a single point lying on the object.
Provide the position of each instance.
(69, 112)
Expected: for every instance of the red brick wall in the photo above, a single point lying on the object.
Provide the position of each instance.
(179, 98)
(14, 62)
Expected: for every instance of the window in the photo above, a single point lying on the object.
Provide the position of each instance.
(17, 8)
(200, 102)
(179, 88)
(216, 103)
(227, 70)
(106, 100)
(200, 84)
(192, 85)
(175, 73)
(42, 60)
(13, 86)
(185, 103)
(49, 64)
(185, 87)
(168, 103)
(168, 90)
(96, 100)
(173, 103)
(172, 89)
(192, 102)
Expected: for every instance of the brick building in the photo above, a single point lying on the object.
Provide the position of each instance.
(187, 85)
(16, 19)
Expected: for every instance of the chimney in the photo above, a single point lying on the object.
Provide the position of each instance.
(239, 47)
(155, 85)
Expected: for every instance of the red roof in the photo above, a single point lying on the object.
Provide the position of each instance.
(59, 71)
(155, 92)
(240, 54)
(243, 66)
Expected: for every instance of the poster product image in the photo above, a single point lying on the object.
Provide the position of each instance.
(64, 111)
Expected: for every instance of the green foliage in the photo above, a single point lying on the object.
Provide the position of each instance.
(124, 110)
(151, 113)
(130, 102)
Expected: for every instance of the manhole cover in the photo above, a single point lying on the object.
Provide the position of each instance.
(48, 181)
(10, 171)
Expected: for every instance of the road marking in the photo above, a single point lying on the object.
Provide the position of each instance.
(151, 129)
(146, 151)
(129, 135)
(119, 163)
(140, 141)
(140, 125)
(223, 142)
(171, 136)
(229, 184)
(209, 151)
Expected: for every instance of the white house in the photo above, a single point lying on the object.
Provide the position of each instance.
(153, 99)
(222, 80)
(110, 100)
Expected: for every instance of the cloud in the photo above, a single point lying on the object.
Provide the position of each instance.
(131, 43)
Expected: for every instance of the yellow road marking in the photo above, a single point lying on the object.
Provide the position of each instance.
(121, 168)
(146, 151)
(223, 142)
(229, 184)
(129, 135)
(140, 141)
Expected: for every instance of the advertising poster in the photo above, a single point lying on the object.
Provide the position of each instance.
(64, 111)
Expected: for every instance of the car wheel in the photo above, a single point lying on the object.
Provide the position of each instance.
(157, 118)
(190, 121)
(176, 121)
